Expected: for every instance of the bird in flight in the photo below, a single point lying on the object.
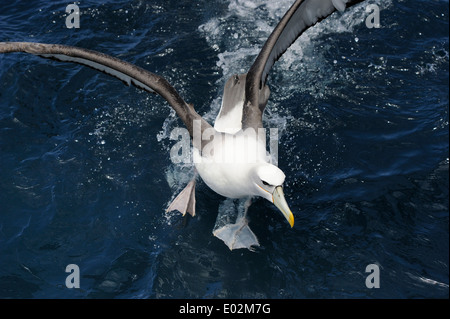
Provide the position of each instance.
(230, 156)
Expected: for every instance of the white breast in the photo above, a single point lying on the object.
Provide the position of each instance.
(227, 163)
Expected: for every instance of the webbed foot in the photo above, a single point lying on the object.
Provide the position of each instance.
(185, 201)
(232, 225)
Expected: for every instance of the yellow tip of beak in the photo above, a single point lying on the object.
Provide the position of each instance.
(291, 219)
(279, 201)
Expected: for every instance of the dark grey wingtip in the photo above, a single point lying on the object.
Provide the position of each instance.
(128, 73)
(300, 16)
(124, 71)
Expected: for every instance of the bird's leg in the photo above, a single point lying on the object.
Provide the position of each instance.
(185, 201)
(247, 204)
(232, 225)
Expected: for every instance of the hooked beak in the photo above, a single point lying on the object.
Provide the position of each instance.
(280, 202)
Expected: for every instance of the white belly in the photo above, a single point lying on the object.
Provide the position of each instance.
(227, 164)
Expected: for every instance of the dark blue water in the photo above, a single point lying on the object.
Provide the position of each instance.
(85, 170)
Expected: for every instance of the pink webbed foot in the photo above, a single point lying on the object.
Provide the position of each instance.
(185, 201)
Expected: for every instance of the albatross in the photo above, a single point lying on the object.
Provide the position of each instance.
(249, 172)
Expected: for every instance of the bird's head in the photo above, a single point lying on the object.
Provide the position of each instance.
(268, 180)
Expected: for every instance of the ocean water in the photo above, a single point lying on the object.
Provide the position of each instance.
(86, 175)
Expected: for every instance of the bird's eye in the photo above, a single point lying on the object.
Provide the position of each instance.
(265, 183)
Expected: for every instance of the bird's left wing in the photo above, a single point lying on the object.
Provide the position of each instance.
(302, 15)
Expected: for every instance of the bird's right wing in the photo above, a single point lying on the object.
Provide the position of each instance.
(127, 72)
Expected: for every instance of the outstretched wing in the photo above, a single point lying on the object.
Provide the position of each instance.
(301, 15)
(127, 72)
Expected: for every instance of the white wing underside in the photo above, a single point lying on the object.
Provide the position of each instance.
(229, 119)
(231, 122)
(306, 13)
